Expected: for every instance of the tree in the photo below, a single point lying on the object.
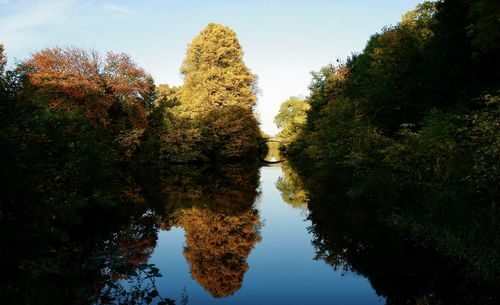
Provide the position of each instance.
(219, 93)
(110, 91)
(291, 118)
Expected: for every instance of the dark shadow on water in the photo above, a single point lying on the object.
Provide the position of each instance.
(104, 258)
(351, 236)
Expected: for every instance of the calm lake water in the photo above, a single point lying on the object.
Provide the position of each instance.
(239, 233)
(276, 266)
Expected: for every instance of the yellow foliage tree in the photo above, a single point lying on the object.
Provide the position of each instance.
(219, 94)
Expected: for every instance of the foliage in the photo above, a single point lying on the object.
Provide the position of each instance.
(417, 113)
(217, 97)
(291, 188)
(217, 246)
(68, 127)
(3, 59)
(105, 90)
(290, 118)
(210, 117)
(73, 127)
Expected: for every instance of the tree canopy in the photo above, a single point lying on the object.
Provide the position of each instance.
(219, 92)
(110, 90)
(291, 118)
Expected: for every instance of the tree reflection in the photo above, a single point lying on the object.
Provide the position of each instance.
(132, 245)
(351, 236)
(105, 245)
(226, 187)
(270, 151)
(291, 187)
(217, 246)
(127, 276)
(215, 207)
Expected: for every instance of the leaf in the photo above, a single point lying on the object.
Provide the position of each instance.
(153, 293)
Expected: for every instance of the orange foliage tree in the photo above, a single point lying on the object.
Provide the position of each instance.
(111, 91)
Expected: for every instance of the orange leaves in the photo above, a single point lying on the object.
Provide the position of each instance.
(123, 76)
(73, 72)
(217, 247)
(56, 103)
(83, 79)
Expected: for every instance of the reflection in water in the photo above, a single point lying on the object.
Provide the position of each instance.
(215, 207)
(291, 189)
(270, 151)
(134, 242)
(351, 237)
(72, 256)
(222, 187)
(129, 277)
(217, 246)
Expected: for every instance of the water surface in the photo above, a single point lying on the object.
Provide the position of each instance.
(275, 265)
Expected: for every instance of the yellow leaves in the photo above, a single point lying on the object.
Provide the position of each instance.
(215, 46)
(217, 98)
(217, 246)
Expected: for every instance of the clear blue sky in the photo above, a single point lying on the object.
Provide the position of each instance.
(283, 40)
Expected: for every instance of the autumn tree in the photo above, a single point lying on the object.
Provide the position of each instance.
(219, 93)
(113, 93)
(63, 114)
(110, 91)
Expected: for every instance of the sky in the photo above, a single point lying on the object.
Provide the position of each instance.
(283, 40)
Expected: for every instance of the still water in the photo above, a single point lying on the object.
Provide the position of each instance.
(259, 255)
(231, 233)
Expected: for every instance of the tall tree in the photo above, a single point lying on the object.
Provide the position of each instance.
(220, 91)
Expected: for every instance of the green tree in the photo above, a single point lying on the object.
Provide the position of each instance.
(291, 118)
(219, 94)
(411, 123)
